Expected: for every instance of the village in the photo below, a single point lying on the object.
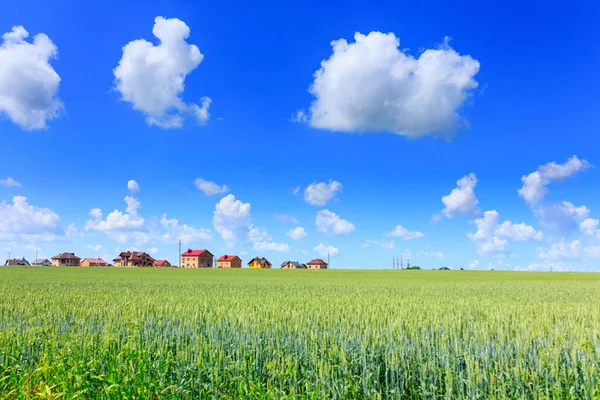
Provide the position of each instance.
(188, 259)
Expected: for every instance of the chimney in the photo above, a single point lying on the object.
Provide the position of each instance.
(189, 250)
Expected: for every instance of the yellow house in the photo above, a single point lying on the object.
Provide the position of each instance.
(259, 262)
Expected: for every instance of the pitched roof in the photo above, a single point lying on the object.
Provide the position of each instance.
(260, 260)
(227, 258)
(294, 263)
(134, 256)
(66, 256)
(95, 260)
(40, 260)
(16, 261)
(191, 252)
(158, 263)
(317, 261)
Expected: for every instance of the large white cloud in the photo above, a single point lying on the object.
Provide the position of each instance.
(210, 188)
(21, 221)
(330, 223)
(534, 185)
(492, 237)
(373, 86)
(404, 234)
(152, 77)
(462, 200)
(28, 83)
(325, 251)
(318, 194)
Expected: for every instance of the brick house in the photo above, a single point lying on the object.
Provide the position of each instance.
(134, 259)
(317, 263)
(66, 259)
(227, 261)
(197, 259)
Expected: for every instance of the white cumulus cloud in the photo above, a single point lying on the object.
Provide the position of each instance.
(133, 186)
(318, 194)
(371, 85)
(325, 251)
(404, 234)
(9, 182)
(330, 223)
(186, 233)
(534, 185)
(462, 200)
(28, 83)
(152, 77)
(22, 221)
(297, 233)
(210, 188)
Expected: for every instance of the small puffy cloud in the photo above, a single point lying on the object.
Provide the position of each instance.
(96, 248)
(28, 83)
(295, 190)
(534, 185)
(133, 186)
(318, 194)
(373, 86)
(210, 188)
(22, 221)
(589, 227)
(388, 245)
(492, 237)
(474, 264)
(330, 223)
(116, 221)
(369, 243)
(271, 246)
(462, 200)
(325, 251)
(404, 234)
(152, 77)
(297, 233)
(9, 182)
(286, 218)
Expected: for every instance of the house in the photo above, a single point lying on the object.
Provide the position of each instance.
(197, 259)
(317, 263)
(293, 265)
(227, 261)
(134, 259)
(66, 259)
(16, 261)
(259, 262)
(162, 263)
(42, 262)
(94, 262)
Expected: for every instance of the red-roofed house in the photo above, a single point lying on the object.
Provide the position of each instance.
(196, 259)
(162, 263)
(317, 263)
(134, 259)
(94, 262)
(229, 262)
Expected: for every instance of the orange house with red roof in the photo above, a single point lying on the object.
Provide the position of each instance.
(227, 261)
(196, 259)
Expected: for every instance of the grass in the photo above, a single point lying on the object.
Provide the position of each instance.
(170, 333)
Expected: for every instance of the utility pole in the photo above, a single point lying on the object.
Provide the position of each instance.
(179, 255)
(35, 259)
(407, 264)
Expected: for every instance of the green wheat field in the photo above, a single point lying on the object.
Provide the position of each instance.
(168, 333)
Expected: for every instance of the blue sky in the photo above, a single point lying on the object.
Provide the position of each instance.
(383, 136)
